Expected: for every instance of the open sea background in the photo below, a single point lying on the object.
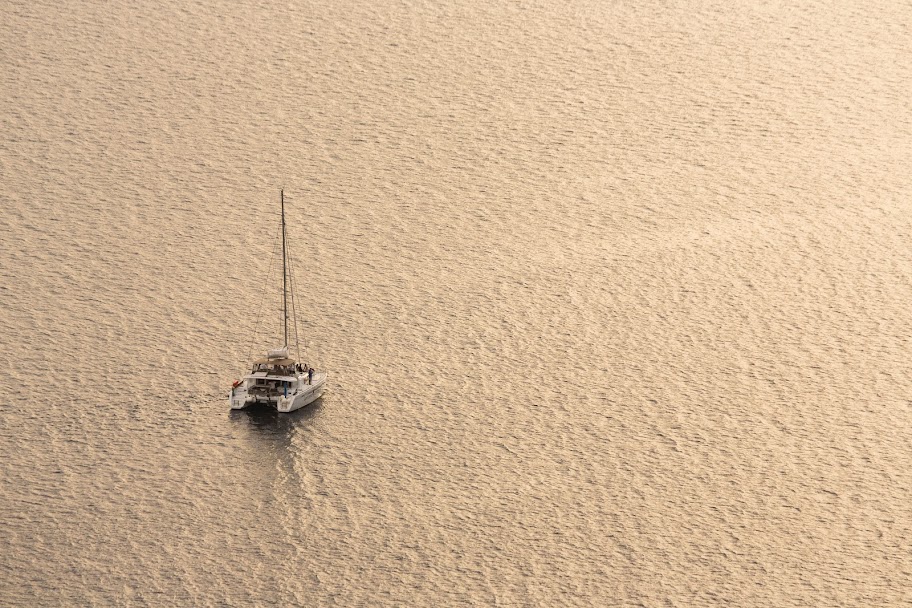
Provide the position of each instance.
(615, 300)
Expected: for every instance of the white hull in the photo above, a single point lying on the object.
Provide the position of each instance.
(303, 395)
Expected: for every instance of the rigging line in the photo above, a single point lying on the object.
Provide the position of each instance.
(263, 297)
(294, 306)
(288, 297)
(284, 272)
(275, 243)
(292, 285)
(280, 319)
(294, 309)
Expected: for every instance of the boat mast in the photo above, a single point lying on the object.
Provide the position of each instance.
(284, 273)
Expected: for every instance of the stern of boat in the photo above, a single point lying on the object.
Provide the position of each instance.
(238, 399)
(304, 395)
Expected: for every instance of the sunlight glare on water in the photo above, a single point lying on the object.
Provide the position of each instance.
(615, 301)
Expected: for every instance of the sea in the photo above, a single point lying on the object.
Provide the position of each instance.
(614, 298)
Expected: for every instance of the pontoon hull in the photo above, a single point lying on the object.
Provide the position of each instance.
(302, 396)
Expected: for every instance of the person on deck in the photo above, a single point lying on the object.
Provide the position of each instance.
(310, 375)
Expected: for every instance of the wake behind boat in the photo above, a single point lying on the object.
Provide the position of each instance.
(277, 380)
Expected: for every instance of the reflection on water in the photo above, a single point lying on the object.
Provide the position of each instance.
(284, 437)
(271, 423)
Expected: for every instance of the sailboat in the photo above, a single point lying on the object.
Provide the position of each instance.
(277, 380)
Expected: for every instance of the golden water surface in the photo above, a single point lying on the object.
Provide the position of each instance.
(615, 300)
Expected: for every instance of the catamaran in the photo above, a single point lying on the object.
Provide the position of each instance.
(277, 380)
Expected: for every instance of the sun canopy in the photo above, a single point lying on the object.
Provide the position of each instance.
(274, 362)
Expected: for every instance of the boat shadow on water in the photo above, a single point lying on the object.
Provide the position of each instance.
(275, 441)
(267, 419)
